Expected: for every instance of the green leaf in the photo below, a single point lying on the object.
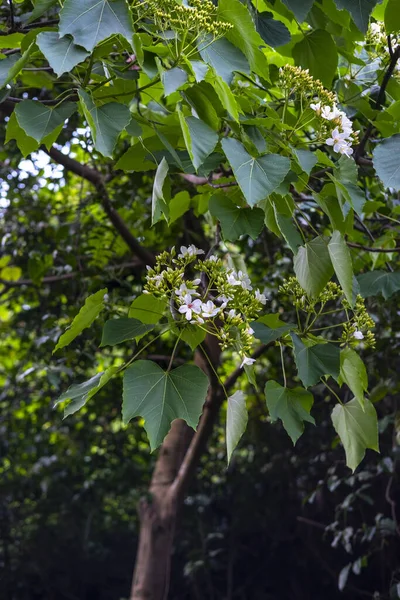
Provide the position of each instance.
(386, 162)
(269, 328)
(317, 52)
(147, 309)
(288, 230)
(40, 121)
(315, 361)
(173, 79)
(342, 264)
(357, 428)
(159, 202)
(106, 122)
(257, 177)
(160, 397)
(223, 56)
(353, 373)
(5, 65)
(360, 11)
(200, 139)
(225, 94)
(25, 143)
(61, 53)
(392, 17)
(236, 221)
(203, 99)
(291, 406)
(313, 266)
(116, 331)
(379, 282)
(244, 35)
(92, 21)
(80, 393)
(93, 306)
(300, 8)
(178, 206)
(236, 421)
(273, 32)
(192, 335)
(306, 159)
(41, 6)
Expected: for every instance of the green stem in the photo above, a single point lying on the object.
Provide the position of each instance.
(214, 371)
(283, 365)
(174, 351)
(125, 365)
(333, 392)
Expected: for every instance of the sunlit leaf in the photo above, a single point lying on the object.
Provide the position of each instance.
(236, 421)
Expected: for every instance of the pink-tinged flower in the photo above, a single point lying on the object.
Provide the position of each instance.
(209, 309)
(247, 361)
(260, 297)
(190, 306)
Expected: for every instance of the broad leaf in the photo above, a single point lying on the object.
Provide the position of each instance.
(5, 65)
(41, 6)
(93, 306)
(291, 406)
(147, 309)
(257, 177)
(313, 266)
(306, 159)
(80, 393)
(360, 11)
(236, 221)
(357, 428)
(341, 261)
(317, 52)
(273, 32)
(289, 230)
(200, 139)
(160, 197)
(313, 362)
(92, 21)
(119, 330)
(225, 94)
(173, 79)
(379, 282)
(300, 8)
(61, 53)
(392, 17)
(353, 373)
(106, 122)
(25, 143)
(192, 335)
(223, 56)
(386, 162)
(269, 328)
(40, 121)
(161, 397)
(236, 421)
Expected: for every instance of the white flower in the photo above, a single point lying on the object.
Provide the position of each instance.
(244, 280)
(224, 301)
(232, 313)
(326, 112)
(196, 281)
(190, 306)
(358, 335)
(197, 319)
(183, 290)
(213, 258)
(317, 107)
(232, 278)
(347, 150)
(247, 361)
(190, 251)
(249, 330)
(260, 297)
(209, 309)
(338, 141)
(157, 279)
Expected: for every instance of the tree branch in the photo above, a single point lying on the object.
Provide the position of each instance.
(96, 178)
(379, 101)
(371, 249)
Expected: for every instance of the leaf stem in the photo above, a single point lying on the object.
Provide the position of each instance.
(214, 371)
(332, 392)
(283, 365)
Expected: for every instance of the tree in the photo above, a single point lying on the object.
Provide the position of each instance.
(212, 125)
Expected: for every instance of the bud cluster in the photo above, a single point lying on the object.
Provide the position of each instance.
(207, 294)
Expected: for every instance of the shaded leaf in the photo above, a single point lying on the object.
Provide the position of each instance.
(357, 428)
(313, 362)
(236, 421)
(80, 393)
(353, 373)
(342, 264)
(94, 304)
(360, 11)
(119, 330)
(291, 406)
(223, 56)
(269, 328)
(236, 221)
(386, 162)
(300, 8)
(379, 282)
(160, 397)
(273, 32)
(200, 139)
(40, 121)
(173, 79)
(147, 309)
(317, 52)
(159, 205)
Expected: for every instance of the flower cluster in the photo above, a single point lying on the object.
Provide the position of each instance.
(356, 326)
(221, 301)
(336, 129)
(198, 17)
(342, 136)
